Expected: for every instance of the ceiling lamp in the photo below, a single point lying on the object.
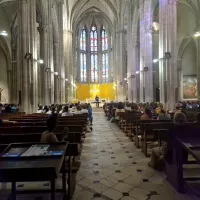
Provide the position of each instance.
(197, 34)
(41, 61)
(3, 33)
(156, 26)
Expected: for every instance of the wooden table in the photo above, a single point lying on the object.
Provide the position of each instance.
(33, 168)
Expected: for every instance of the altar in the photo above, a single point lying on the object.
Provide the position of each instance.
(87, 92)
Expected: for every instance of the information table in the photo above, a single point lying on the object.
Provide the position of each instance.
(30, 162)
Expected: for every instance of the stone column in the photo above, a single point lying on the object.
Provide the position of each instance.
(168, 67)
(132, 58)
(68, 62)
(61, 42)
(33, 49)
(56, 69)
(23, 21)
(43, 29)
(146, 61)
(198, 69)
(14, 74)
(120, 47)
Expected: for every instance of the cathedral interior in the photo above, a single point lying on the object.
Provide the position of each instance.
(63, 51)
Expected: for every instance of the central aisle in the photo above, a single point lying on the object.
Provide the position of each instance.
(113, 168)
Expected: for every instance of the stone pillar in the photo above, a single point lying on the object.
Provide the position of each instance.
(61, 42)
(168, 67)
(146, 61)
(43, 29)
(198, 69)
(68, 62)
(120, 48)
(23, 21)
(132, 57)
(14, 74)
(27, 55)
(56, 69)
(34, 65)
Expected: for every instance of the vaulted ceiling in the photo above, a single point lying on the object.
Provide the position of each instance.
(79, 9)
(8, 9)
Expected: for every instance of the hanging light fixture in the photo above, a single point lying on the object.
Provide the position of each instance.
(3, 33)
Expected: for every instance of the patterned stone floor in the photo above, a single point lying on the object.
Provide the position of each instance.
(112, 168)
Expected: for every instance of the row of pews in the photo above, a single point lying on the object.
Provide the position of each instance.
(152, 133)
(28, 129)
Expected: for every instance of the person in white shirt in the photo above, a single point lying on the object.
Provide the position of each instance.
(61, 111)
(84, 109)
(78, 112)
(66, 112)
(40, 110)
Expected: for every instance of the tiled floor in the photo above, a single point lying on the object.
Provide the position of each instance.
(113, 168)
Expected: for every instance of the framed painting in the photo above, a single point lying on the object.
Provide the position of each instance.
(189, 86)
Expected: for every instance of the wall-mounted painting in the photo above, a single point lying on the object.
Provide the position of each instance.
(189, 86)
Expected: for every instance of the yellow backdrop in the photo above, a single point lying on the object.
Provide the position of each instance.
(103, 91)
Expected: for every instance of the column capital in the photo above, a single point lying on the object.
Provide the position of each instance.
(174, 2)
(56, 45)
(23, 1)
(42, 28)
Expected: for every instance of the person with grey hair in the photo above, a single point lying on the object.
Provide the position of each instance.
(159, 153)
(179, 119)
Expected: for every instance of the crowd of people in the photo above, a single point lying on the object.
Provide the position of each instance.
(153, 111)
(53, 111)
(64, 110)
(8, 108)
(147, 109)
(188, 105)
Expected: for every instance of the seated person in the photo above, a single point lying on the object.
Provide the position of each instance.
(163, 115)
(48, 136)
(53, 113)
(40, 110)
(89, 108)
(120, 108)
(78, 112)
(147, 115)
(66, 112)
(62, 110)
(84, 109)
(160, 153)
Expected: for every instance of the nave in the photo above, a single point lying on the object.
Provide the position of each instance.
(113, 168)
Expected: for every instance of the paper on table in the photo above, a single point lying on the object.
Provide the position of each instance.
(36, 150)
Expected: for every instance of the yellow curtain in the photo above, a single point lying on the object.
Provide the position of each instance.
(103, 91)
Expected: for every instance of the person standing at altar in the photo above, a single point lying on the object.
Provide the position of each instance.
(97, 101)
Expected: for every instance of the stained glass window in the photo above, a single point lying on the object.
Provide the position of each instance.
(93, 39)
(105, 62)
(103, 55)
(83, 40)
(94, 59)
(104, 40)
(83, 67)
(94, 68)
(105, 67)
